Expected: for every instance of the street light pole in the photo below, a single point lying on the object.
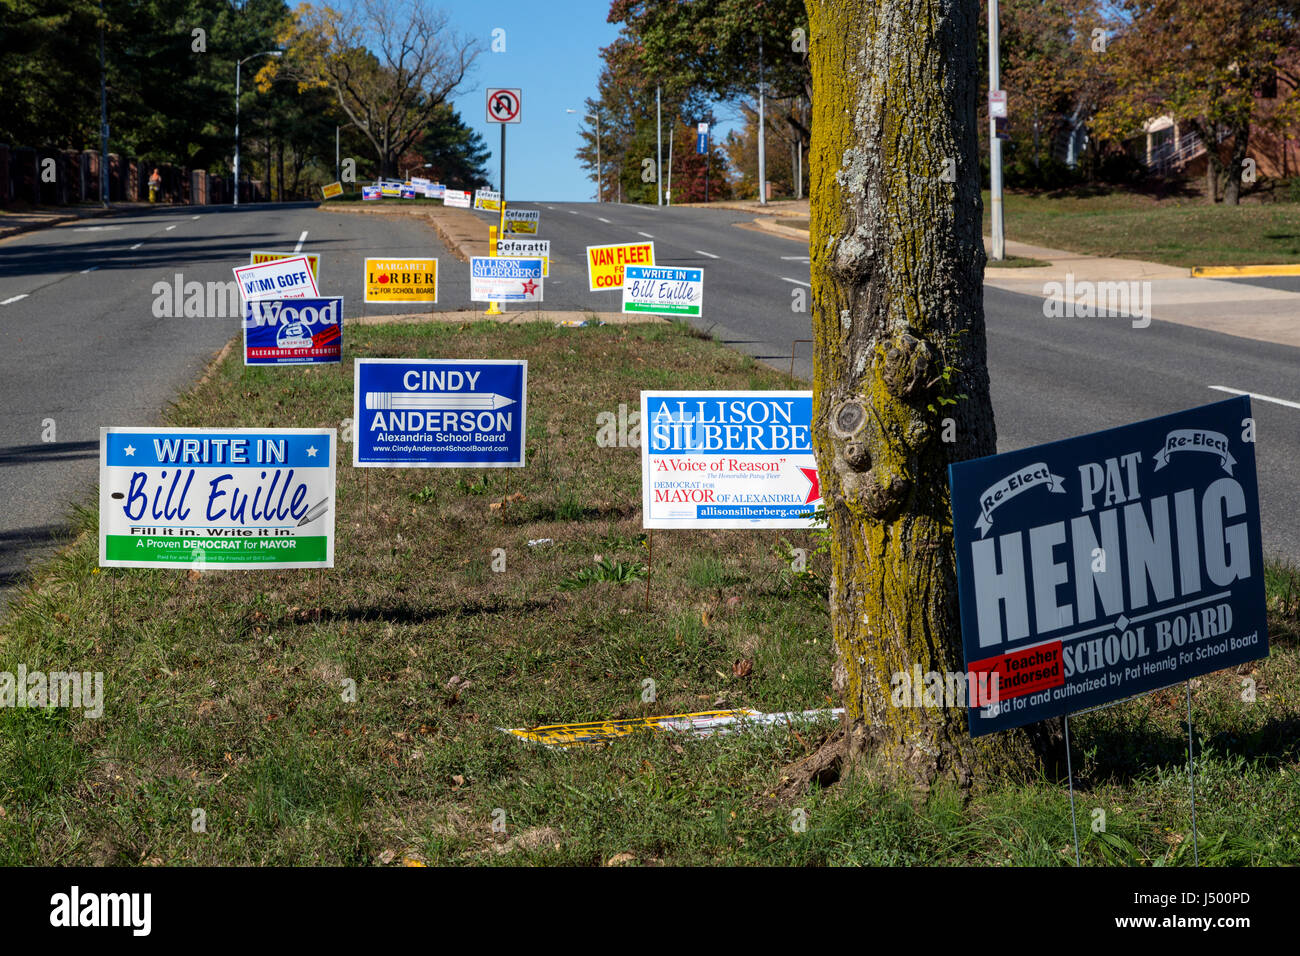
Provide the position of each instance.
(659, 148)
(600, 169)
(995, 144)
(239, 65)
(103, 115)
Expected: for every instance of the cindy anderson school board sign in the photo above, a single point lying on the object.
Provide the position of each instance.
(440, 413)
(727, 460)
(216, 497)
(1104, 566)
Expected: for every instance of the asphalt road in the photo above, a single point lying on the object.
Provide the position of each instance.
(81, 346)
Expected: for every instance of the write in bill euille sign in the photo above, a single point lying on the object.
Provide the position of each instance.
(727, 460)
(216, 497)
(1104, 566)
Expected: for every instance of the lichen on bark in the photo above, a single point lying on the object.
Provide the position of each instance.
(897, 265)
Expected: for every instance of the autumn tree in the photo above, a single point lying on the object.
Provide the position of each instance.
(391, 66)
(1203, 63)
(900, 383)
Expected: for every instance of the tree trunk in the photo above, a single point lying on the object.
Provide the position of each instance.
(1232, 187)
(901, 386)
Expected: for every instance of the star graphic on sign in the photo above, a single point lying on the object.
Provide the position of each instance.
(815, 491)
(311, 451)
(530, 287)
(129, 450)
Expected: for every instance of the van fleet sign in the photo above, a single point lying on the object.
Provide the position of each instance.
(1100, 567)
(293, 331)
(256, 258)
(440, 413)
(727, 460)
(605, 263)
(216, 497)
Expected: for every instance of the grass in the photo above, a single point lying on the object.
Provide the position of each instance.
(1177, 231)
(230, 692)
(1018, 262)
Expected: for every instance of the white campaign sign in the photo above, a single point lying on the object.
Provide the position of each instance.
(280, 279)
(727, 460)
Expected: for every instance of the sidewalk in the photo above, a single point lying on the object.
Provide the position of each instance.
(1167, 293)
(1170, 292)
(16, 223)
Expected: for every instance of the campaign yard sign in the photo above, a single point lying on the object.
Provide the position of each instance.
(331, 190)
(527, 249)
(727, 460)
(488, 199)
(440, 413)
(456, 197)
(523, 221)
(257, 257)
(371, 192)
(1100, 567)
(226, 498)
(605, 263)
(663, 291)
(498, 279)
(293, 331)
(390, 187)
(410, 281)
(277, 279)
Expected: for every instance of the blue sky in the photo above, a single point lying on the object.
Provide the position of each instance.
(553, 55)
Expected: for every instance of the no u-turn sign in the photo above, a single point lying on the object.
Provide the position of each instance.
(504, 106)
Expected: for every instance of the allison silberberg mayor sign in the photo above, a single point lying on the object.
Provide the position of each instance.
(728, 460)
(224, 497)
(1100, 567)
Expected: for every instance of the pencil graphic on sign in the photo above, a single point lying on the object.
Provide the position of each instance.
(314, 512)
(437, 401)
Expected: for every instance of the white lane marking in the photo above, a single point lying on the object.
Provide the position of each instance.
(602, 219)
(701, 252)
(96, 228)
(91, 269)
(14, 298)
(1262, 398)
(550, 207)
(795, 258)
(194, 217)
(170, 228)
(571, 212)
(796, 281)
(301, 240)
(646, 234)
(135, 247)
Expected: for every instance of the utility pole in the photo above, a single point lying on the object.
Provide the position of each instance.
(659, 147)
(762, 150)
(239, 65)
(103, 115)
(995, 144)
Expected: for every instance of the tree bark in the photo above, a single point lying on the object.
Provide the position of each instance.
(1232, 185)
(901, 385)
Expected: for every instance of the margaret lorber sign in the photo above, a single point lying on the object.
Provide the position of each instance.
(727, 460)
(1104, 566)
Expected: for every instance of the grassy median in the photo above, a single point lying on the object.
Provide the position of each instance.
(1183, 231)
(225, 691)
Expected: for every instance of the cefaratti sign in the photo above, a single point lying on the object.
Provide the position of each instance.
(1104, 566)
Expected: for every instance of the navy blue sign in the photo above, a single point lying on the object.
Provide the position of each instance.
(439, 413)
(1104, 566)
(293, 331)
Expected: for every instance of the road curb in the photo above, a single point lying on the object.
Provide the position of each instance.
(1223, 272)
(7, 232)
